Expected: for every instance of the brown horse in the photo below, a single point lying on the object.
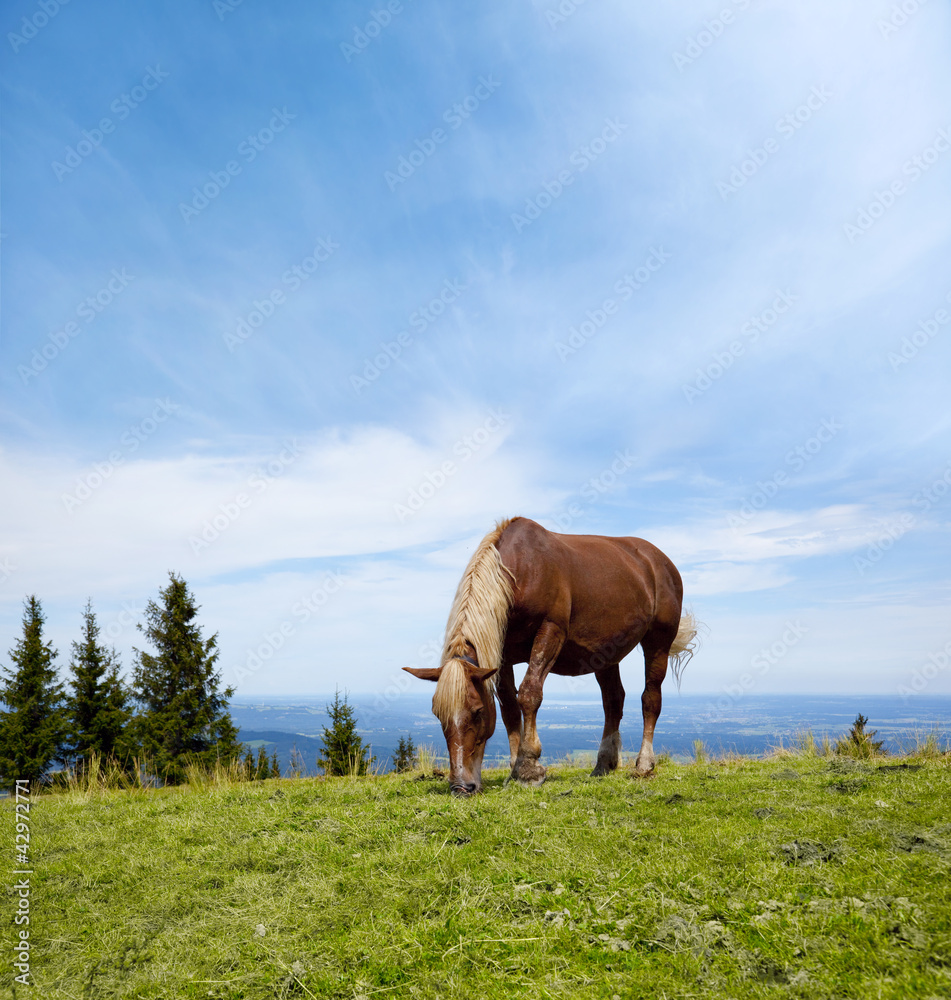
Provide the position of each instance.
(568, 604)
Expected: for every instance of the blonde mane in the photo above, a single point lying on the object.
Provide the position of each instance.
(478, 618)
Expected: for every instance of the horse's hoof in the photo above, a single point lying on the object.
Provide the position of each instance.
(600, 772)
(645, 775)
(529, 775)
(532, 782)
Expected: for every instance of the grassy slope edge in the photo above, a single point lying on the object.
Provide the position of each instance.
(740, 879)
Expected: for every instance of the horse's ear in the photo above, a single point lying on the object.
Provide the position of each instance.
(482, 673)
(424, 673)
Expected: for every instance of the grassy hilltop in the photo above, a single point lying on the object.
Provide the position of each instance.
(802, 877)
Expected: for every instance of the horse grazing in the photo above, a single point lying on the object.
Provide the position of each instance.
(568, 604)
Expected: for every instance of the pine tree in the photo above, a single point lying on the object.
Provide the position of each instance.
(98, 704)
(34, 727)
(247, 766)
(860, 743)
(263, 768)
(185, 717)
(343, 750)
(275, 766)
(405, 757)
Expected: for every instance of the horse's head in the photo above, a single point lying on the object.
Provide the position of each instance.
(464, 703)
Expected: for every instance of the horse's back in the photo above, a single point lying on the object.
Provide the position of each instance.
(529, 550)
(587, 583)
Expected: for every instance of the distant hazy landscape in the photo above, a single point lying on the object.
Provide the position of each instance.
(571, 725)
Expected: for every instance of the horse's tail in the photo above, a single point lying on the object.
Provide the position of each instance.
(685, 644)
(479, 615)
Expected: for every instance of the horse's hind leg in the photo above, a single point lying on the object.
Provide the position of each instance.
(656, 645)
(612, 697)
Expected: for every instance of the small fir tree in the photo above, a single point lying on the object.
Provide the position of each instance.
(263, 768)
(405, 758)
(184, 717)
(275, 766)
(98, 703)
(34, 725)
(343, 751)
(248, 766)
(859, 742)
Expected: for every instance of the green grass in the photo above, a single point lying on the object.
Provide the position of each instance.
(739, 879)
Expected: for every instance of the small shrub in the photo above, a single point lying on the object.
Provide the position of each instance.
(699, 752)
(343, 751)
(405, 758)
(860, 743)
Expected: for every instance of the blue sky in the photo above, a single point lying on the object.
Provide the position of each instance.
(298, 299)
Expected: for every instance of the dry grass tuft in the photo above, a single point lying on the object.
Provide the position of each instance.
(803, 744)
(927, 745)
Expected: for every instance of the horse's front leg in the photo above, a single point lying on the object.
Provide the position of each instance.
(545, 649)
(511, 712)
